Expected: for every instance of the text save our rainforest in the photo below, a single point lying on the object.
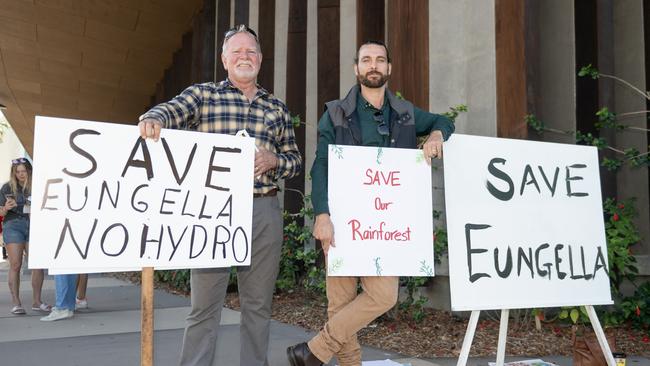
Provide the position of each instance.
(209, 206)
(380, 232)
(551, 261)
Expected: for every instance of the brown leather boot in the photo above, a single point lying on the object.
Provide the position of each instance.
(300, 355)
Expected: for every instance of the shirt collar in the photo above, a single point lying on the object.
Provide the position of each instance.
(261, 92)
(363, 103)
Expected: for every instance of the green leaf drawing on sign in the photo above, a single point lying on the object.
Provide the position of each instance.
(426, 269)
(380, 153)
(335, 266)
(338, 151)
(378, 266)
(419, 156)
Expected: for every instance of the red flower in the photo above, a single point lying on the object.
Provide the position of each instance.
(646, 339)
(615, 218)
(621, 206)
(637, 311)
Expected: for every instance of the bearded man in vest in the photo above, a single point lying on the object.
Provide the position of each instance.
(370, 115)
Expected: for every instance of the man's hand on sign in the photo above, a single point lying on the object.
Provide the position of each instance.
(324, 231)
(432, 148)
(150, 128)
(264, 161)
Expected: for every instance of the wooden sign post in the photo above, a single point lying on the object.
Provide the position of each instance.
(525, 230)
(146, 338)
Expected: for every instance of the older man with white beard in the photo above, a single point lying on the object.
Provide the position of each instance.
(237, 103)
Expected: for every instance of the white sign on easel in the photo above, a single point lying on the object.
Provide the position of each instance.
(525, 227)
(104, 198)
(380, 205)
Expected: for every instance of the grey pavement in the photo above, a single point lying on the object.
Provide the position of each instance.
(108, 332)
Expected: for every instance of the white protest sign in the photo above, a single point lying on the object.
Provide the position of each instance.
(380, 205)
(525, 224)
(104, 198)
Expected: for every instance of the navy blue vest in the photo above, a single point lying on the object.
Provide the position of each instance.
(347, 127)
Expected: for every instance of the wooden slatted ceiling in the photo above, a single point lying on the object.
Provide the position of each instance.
(86, 59)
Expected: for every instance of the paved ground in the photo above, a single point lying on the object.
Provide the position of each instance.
(107, 334)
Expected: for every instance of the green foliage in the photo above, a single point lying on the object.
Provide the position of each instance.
(178, 279)
(611, 164)
(297, 265)
(636, 308)
(621, 236)
(577, 315)
(295, 121)
(633, 310)
(590, 71)
(535, 123)
(538, 126)
(439, 244)
(607, 119)
(411, 306)
(590, 139)
(455, 111)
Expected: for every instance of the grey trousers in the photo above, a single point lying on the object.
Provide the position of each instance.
(256, 284)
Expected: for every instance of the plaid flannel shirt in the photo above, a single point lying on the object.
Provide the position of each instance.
(222, 108)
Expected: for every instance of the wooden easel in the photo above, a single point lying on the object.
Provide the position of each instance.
(503, 333)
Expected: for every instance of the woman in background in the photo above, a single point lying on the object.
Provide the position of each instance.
(13, 197)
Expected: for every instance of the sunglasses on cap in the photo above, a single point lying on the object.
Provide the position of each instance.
(382, 127)
(19, 161)
(238, 29)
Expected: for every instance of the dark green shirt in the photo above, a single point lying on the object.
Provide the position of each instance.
(425, 123)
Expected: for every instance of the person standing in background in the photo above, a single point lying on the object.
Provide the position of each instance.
(14, 196)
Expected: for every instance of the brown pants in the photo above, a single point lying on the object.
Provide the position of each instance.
(349, 312)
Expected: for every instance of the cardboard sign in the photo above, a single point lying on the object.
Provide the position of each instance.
(380, 205)
(525, 224)
(102, 197)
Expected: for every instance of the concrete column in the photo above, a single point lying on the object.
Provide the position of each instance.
(629, 64)
(557, 81)
(312, 110)
(462, 62)
(232, 13)
(348, 44)
(254, 14)
(280, 59)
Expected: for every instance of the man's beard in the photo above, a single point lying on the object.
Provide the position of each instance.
(377, 83)
(250, 73)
